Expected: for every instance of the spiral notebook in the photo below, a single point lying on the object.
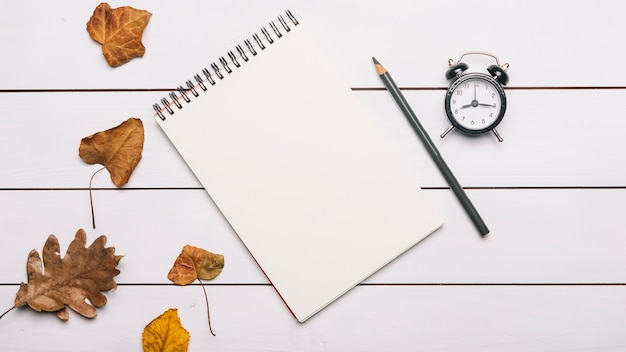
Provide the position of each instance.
(296, 165)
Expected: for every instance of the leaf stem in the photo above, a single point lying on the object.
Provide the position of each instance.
(93, 217)
(206, 299)
(3, 314)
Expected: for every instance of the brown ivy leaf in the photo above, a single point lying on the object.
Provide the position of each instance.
(195, 263)
(57, 283)
(119, 31)
(165, 334)
(118, 149)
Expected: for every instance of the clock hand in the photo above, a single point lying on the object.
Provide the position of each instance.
(473, 104)
(488, 105)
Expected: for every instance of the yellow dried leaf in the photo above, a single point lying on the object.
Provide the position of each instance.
(119, 31)
(165, 334)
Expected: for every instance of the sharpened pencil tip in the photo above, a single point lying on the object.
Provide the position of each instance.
(379, 68)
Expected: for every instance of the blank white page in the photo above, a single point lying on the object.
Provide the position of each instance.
(297, 167)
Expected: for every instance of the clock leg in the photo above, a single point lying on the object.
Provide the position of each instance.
(447, 131)
(497, 135)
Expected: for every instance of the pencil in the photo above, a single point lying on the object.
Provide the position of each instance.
(432, 150)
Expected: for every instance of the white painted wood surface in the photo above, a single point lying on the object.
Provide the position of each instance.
(550, 276)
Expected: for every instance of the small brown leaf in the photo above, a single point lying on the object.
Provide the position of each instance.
(118, 149)
(119, 31)
(81, 275)
(165, 334)
(195, 263)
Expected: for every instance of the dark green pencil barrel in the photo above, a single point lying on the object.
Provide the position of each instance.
(431, 148)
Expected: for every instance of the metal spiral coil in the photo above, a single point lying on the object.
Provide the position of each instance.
(223, 67)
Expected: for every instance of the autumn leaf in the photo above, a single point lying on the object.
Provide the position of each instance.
(56, 283)
(165, 334)
(119, 31)
(118, 149)
(195, 263)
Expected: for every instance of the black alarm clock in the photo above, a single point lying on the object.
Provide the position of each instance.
(475, 102)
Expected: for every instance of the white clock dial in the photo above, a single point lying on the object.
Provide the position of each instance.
(475, 104)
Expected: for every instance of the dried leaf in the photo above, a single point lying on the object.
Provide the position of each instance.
(118, 149)
(69, 281)
(119, 31)
(165, 334)
(195, 263)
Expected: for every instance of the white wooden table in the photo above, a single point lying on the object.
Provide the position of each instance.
(551, 276)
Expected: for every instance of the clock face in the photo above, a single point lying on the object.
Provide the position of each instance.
(475, 103)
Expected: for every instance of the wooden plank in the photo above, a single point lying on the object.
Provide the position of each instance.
(556, 43)
(537, 236)
(552, 138)
(559, 138)
(380, 318)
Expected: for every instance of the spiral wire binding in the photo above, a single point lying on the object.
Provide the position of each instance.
(217, 69)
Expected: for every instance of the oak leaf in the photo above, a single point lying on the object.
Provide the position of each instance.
(195, 263)
(57, 283)
(119, 30)
(165, 334)
(118, 149)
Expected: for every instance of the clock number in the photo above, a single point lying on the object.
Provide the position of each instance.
(459, 92)
(483, 121)
(493, 95)
(456, 111)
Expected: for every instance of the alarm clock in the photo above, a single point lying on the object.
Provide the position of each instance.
(475, 102)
